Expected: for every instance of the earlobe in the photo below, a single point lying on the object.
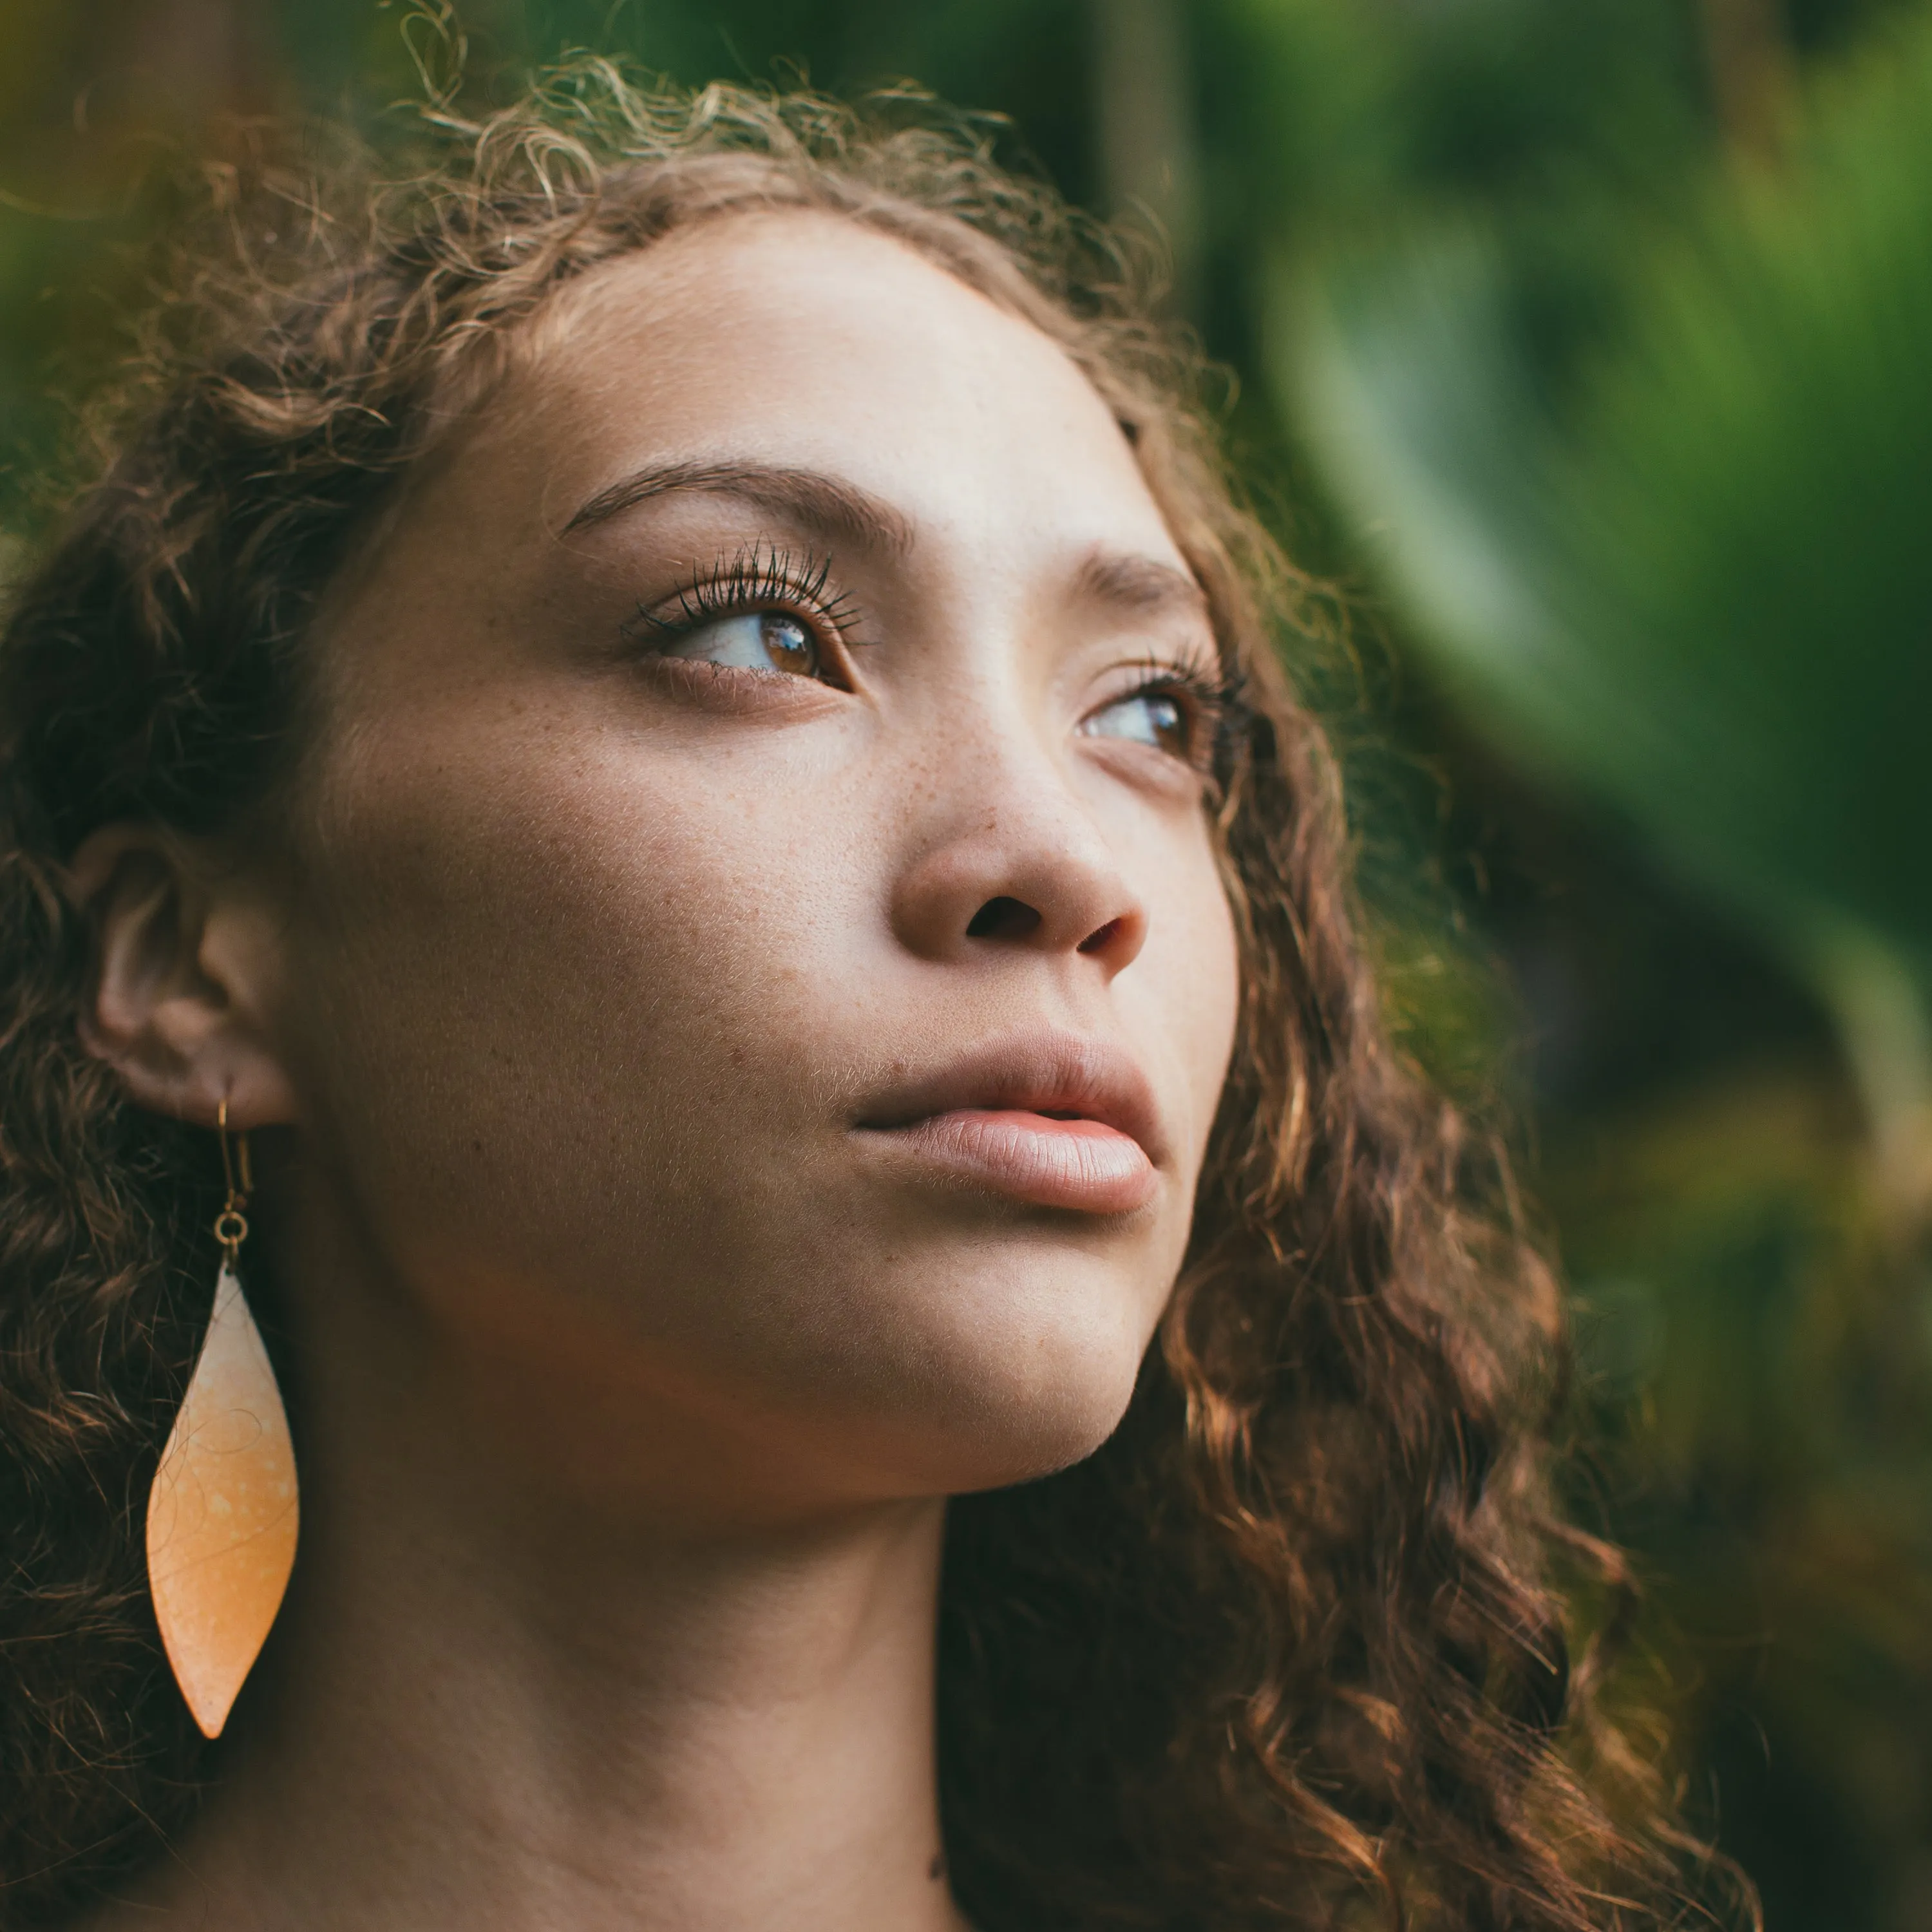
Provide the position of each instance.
(174, 1000)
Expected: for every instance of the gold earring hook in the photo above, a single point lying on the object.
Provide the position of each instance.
(231, 1225)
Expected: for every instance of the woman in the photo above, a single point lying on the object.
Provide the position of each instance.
(673, 717)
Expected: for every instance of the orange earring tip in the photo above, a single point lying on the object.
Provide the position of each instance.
(222, 1514)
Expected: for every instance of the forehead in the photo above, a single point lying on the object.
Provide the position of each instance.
(805, 340)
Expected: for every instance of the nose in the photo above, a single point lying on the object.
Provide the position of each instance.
(1008, 858)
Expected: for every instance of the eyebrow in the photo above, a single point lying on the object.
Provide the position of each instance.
(1139, 582)
(827, 504)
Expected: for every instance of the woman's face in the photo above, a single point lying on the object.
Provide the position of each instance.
(758, 981)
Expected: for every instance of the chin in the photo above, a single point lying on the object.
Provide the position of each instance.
(1020, 1384)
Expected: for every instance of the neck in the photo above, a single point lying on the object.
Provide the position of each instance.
(485, 1706)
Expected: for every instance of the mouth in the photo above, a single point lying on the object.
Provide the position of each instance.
(1050, 1120)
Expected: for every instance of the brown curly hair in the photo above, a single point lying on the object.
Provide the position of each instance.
(1284, 1652)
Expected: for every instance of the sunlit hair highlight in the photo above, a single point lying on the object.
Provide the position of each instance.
(1286, 1652)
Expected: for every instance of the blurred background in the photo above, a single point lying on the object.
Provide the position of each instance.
(1585, 347)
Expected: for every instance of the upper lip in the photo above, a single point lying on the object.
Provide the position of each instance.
(1047, 1073)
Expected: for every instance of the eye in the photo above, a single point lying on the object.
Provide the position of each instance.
(1156, 717)
(766, 641)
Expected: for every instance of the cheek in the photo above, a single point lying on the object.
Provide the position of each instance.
(1188, 996)
(1216, 1005)
(518, 954)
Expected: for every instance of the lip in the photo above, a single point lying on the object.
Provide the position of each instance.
(1052, 1119)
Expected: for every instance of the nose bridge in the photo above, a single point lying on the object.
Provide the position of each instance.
(1004, 847)
(1011, 774)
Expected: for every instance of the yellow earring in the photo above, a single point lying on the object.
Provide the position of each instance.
(222, 1514)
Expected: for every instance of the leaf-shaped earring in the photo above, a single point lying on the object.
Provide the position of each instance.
(222, 1514)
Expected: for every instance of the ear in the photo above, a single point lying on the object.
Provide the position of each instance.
(186, 961)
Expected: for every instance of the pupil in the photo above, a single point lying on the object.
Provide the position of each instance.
(1169, 727)
(789, 646)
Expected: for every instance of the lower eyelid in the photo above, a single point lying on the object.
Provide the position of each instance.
(701, 677)
(729, 686)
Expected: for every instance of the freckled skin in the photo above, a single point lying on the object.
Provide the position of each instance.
(588, 970)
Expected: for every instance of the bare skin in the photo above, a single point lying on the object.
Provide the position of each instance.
(735, 1018)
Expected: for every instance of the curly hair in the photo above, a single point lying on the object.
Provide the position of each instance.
(1286, 1651)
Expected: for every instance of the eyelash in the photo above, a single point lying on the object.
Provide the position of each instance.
(1218, 714)
(761, 577)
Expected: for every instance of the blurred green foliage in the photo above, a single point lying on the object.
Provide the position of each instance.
(1695, 576)
(1579, 340)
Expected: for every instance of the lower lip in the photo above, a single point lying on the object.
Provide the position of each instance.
(1078, 1164)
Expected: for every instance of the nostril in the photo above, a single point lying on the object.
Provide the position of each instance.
(1100, 940)
(1003, 919)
